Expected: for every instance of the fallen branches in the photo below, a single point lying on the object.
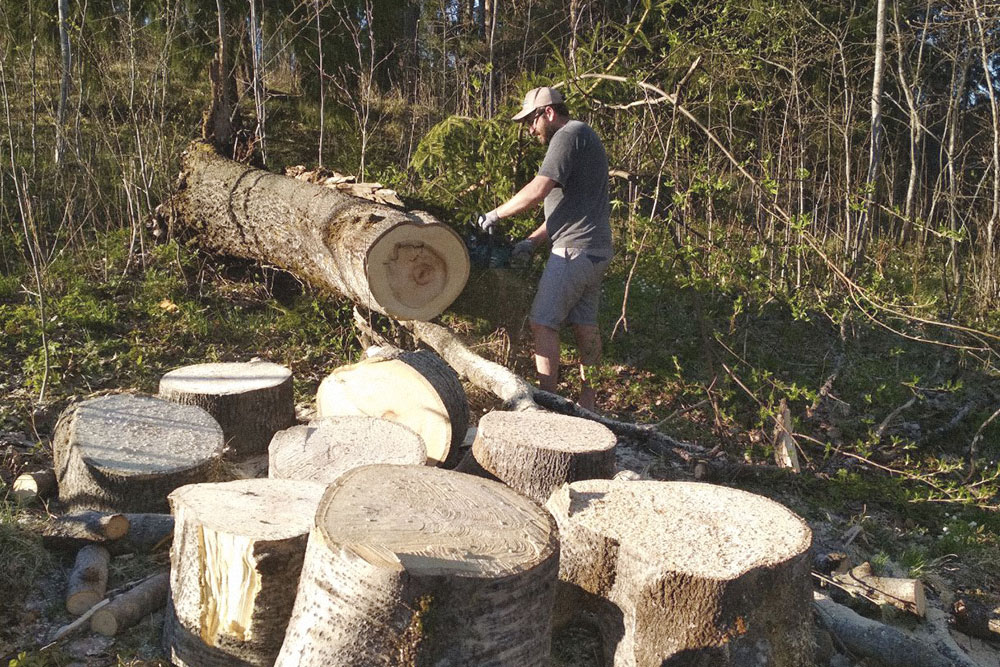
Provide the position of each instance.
(518, 394)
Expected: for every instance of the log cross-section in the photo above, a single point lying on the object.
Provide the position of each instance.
(406, 265)
(414, 565)
(685, 573)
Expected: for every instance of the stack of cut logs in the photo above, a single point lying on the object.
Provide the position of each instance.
(366, 545)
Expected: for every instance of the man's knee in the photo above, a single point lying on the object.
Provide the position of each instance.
(588, 343)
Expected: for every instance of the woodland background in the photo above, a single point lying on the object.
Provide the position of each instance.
(806, 208)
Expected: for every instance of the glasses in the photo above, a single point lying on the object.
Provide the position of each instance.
(535, 116)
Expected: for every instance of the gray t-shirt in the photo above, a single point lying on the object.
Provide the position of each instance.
(576, 213)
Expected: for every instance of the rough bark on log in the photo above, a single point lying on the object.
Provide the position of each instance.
(89, 579)
(871, 639)
(535, 453)
(406, 265)
(685, 572)
(78, 530)
(904, 594)
(329, 447)
(417, 389)
(146, 533)
(31, 486)
(251, 401)
(132, 606)
(125, 453)
(418, 565)
(235, 564)
(518, 394)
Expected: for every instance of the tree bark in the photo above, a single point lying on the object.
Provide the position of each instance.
(413, 565)
(89, 579)
(535, 453)
(147, 533)
(416, 389)
(235, 565)
(125, 453)
(329, 447)
(251, 401)
(132, 606)
(78, 530)
(406, 265)
(685, 573)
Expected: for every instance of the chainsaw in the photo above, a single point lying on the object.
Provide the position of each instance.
(488, 250)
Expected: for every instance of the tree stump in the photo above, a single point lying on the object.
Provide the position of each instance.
(406, 265)
(417, 389)
(686, 573)
(234, 568)
(329, 447)
(251, 401)
(535, 453)
(126, 453)
(418, 565)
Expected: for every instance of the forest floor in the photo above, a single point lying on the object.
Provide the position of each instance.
(885, 480)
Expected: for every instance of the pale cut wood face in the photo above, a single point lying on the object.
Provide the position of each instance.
(139, 434)
(225, 378)
(393, 390)
(433, 521)
(416, 270)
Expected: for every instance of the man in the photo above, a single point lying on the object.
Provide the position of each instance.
(573, 183)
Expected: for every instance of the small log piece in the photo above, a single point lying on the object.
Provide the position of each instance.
(329, 447)
(418, 565)
(417, 389)
(251, 401)
(31, 486)
(871, 639)
(89, 579)
(125, 453)
(535, 453)
(147, 533)
(78, 530)
(905, 594)
(132, 606)
(685, 572)
(235, 564)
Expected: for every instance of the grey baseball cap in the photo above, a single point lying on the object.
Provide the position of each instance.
(538, 97)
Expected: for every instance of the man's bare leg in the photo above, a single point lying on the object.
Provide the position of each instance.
(588, 344)
(546, 356)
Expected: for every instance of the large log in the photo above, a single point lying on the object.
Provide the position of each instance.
(126, 453)
(251, 401)
(685, 573)
(406, 265)
(417, 389)
(535, 453)
(329, 447)
(234, 568)
(413, 565)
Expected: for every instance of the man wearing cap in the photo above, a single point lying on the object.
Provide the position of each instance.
(573, 183)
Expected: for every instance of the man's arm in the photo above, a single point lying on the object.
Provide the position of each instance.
(527, 197)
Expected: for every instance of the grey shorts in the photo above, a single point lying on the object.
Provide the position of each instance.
(570, 288)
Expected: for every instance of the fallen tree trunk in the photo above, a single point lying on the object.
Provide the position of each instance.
(905, 594)
(406, 265)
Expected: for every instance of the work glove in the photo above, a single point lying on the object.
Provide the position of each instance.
(487, 221)
(522, 249)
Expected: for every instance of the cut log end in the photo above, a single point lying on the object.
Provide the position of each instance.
(392, 517)
(329, 447)
(415, 271)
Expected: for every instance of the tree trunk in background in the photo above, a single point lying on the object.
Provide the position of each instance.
(989, 281)
(406, 265)
(67, 61)
(875, 154)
